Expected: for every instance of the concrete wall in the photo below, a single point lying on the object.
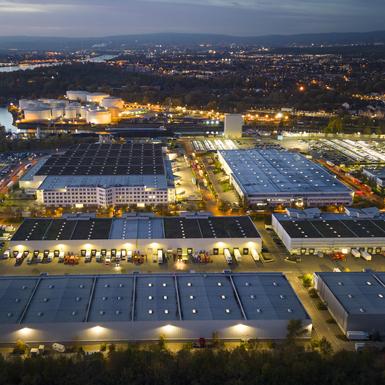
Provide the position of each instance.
(146, 330)
(334, 306)
(143, 245)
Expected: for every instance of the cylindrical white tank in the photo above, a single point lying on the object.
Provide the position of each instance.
(112, 102)
(98, 116)
(28, 103)
(96, 97)
(72, 111)
(54, 102)
(83, 113)
(77, 95)
(115, 113)
(37, 114)
(57, 112)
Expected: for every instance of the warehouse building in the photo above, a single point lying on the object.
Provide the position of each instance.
(147, 235)
(274, 176)
(143, 307)
(376, 175)
(310, 231)
(355, 300)
(102, 175)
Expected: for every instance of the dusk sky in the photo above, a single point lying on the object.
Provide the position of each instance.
(235, 17)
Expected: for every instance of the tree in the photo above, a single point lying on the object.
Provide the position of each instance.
(20, 347)
(325, 347)
(335, 125)
(295, 329)
(307, 280)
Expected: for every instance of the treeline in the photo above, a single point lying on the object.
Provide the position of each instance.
(287, 364)
(46, 143)
(230, 92)
(345, 124)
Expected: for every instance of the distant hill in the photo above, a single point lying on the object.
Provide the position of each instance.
(188, 40)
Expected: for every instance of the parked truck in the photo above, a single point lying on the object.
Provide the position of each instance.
(237, 255)
(356, 253)
(255, 255)
(228, 257)
(366, 255)
(357, 335)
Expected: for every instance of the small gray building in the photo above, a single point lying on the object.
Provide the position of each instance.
(355, 300)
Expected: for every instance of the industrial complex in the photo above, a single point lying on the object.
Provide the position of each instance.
(103, 174)
(138, 307)
(150, 236)
(355, 300)
(274, 176)
(95, 108)
(310, 231)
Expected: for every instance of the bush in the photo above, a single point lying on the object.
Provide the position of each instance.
(307, 280)
(321, 306)
(20, 347)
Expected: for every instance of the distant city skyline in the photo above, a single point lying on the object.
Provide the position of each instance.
(92, 18)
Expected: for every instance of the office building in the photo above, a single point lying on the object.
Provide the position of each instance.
(233, 126)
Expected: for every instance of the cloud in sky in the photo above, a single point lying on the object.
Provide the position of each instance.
(238, 17)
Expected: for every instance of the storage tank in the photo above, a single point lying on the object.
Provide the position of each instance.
(115, 113)
(25, 104)
(96, 97)
(57, 112)
(81, 96)
(83, 113)
(72, 111)
(112, 102)
(37, 114)
(54, 102)
(98, 116)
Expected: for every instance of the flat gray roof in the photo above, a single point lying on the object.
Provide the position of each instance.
(333, 226)
(267, 171)
(107, 159)
(44, 229)
(377, 172)
(148, 297)
(357, 292)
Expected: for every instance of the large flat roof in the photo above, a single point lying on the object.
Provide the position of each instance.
(148, 297)
(106, 159)
(357, 292)
(268, 171)
(35, 229)
(333, 226)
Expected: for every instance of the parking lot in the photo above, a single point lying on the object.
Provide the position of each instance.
(185, 188)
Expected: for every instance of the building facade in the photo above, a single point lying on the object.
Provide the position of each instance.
(185, 235)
